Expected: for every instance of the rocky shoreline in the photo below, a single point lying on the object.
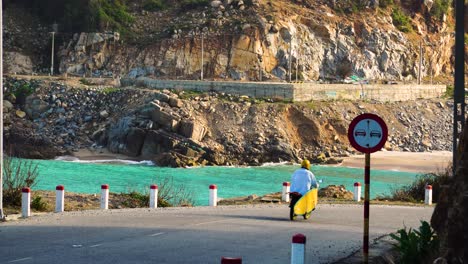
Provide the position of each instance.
(49, 118)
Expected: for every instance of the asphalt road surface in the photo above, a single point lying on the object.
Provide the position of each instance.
(258, 234)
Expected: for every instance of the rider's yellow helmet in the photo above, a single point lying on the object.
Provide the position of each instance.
(305, 164)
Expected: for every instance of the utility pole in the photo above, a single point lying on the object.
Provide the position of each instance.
(459, 90)
(420, 62)
(54, 29)
(201, 72)
(2, 216)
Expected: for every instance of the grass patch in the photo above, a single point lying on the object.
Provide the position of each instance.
(153, 5)
(401, 20)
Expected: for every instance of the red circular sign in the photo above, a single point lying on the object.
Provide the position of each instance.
(367, 133)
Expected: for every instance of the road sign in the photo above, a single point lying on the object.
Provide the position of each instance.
(367, 133)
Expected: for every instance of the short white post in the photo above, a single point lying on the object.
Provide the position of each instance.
(153, 196)
(105, 196)
(213, 201)
(285, 192)
(225, 260)
(25, 202)
(298, 249)
(428, 195)
(357, 192)
(59, 198)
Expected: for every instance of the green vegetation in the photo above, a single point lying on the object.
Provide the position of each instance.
(153, 5)
(440, 8)
(385, 3)
(415, 191)
(17, 173)
(401, 20)
(449, 91)
(109, 90)
(39, 205)
(21, 90)
(416, 246)
(109, 15)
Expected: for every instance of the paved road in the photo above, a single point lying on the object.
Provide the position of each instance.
(259, 234)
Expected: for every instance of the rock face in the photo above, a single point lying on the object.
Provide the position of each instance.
(450, 218)
(177, 129)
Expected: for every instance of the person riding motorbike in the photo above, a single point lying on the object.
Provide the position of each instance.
(302, 180)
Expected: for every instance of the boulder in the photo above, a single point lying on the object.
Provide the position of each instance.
(35, 106)
(134, 141)
(17, 63)
(166, 120)
(335, 191)
(157, 142)
(7, 106)
(175, 102)
(192, 130)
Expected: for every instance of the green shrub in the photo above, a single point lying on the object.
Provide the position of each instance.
(153, 5)
(385, 3)
(17, 173)
(415, 192)
(107, 15)
(440, 8)
(401, 20)
(416, 246)
(39, 205)
(449, 91)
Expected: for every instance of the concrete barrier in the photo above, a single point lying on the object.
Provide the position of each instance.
(428, 195)
(298, 249)
(105, 196)
(153, 196)
(285, 192)
(213, 200)
(59, 198)
(26, 202)
(357, 192)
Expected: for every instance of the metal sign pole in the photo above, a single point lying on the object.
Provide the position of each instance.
(366, 208)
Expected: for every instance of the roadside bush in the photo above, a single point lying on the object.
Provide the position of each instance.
(401, 20)
(39, 205)
(440, 8)
(415, 191)
(416, 246)
(171, 195)
(17, 173)
(153, 5)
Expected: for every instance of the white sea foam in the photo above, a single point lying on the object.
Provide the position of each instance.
(106, 161)
(272, 164)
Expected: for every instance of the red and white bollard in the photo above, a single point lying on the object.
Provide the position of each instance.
(59, 198)
(428, 195)
(213, 201)
(105, 196)
(153, 196)
(357, 192)
(298, 249)
(225, 260)
(26, 202)
(285, 192)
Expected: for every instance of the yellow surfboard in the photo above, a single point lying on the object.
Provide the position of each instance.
(306, 204)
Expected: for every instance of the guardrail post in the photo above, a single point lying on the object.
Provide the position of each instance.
(357, 192)
(105, 196)
(428, 195)
(26, 202)
(59, 198)
(285, 192)
(298, 249)
(225, 260)
(213, 201)
(153, 196)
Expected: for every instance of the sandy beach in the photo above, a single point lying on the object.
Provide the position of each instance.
(422, 162)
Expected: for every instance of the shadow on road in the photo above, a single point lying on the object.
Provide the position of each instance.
(257, 217)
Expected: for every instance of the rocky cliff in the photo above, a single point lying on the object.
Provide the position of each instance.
(257, 40)
(176, 128)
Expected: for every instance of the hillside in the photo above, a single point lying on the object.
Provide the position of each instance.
(257, 40)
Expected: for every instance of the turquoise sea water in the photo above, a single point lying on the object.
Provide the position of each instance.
(231, 181)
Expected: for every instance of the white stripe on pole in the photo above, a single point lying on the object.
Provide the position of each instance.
(59, 198)
(298, 249)
(285, 192)
(225, 260)
(357, 192)
(153, 196)
(25, 202)
(105, 196)
(428, 195)
(213, 201)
